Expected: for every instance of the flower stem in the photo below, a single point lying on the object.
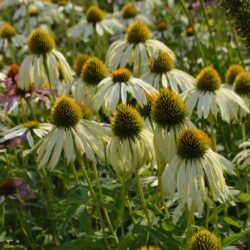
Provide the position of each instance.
(162, 194)
(209, 29)
(243, 132)
(26, 231)
(104, 209)
(93, 195)
(141, 196)
(50, 208)
(190, 19)
(212, 131)
(190, 222)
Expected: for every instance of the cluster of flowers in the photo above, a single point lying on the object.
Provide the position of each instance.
(150, 106)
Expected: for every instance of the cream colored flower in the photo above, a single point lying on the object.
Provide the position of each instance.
(95, 22)
(136, 50)
(71, 131)
(209, 97)
(163, 74)
(195, 175)
(120, 88)
(41, 66)
(27, 129)
(169, 113)
(131, 146)
(243, 157)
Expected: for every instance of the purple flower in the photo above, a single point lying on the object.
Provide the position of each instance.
(15, 189)
(13, 142)
(12, 94)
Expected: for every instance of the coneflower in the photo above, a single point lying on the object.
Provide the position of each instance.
(136, 49)
(41, 65)
(72, 130)
(121, 87)
(195, 175)
(163, 74)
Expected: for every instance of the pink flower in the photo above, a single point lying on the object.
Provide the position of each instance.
(15, 189)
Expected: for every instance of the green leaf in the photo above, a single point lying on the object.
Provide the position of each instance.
(216, 211)
(245, 198)
(232, 222)
(232, 239)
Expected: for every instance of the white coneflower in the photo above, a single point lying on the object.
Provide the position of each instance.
(195, 175)
(27, 129)
(71, 131)
(8, 35)
(243, 157)
(203, 239)
(96, 21)
(41, 66)
(231, 74)
(163, 74)
(130, 13)
(120, 88)
(136, 49)
(169, 112)
(131, 146)
(208, 97)
(242, 87)
(92, 73)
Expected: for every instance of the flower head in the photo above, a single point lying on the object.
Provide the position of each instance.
(13, 71)
(138, 32)
(66, 112)
(208, 80)
(87, 113)
(7, 31)
(161, 26)
(163, 63)
(189, 31)
(94, 14)
(129, 11)
(31, 124)
(168, 108)
(145, 109)
(33, 11)
(149, 248)
(193, 143)
(233, 71)
(126, 122)
(121, 75)
(15, 189)
(203, 240)
(40, 42)
(79, 62)
(242, 84)
(93, 71)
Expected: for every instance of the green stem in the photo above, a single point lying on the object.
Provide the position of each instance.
(212, 131)
(190, 19)
(104, 209)
(13, 52)
(75, 173)
(130, 210)
(162, 193)
(26, 231)
(248, 215)
(141, 196)
(243, 132)
(93, 195)
(50, 208)
(190, 223)
(209, 29)
(45, 64)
